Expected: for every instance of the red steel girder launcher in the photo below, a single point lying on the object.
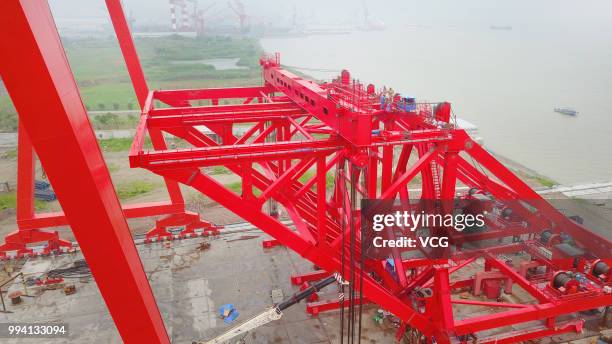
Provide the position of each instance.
(318, 148)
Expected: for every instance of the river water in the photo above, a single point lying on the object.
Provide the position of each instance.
(506, 82)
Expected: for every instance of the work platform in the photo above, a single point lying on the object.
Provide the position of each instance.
(190, 283)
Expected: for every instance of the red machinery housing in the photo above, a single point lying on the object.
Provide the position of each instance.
(317, 150)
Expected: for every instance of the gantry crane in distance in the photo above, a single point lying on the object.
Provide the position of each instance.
(200, 19)
(238, 8)
(374, 150)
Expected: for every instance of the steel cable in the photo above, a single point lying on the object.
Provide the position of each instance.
(79, 269)
(339, 172)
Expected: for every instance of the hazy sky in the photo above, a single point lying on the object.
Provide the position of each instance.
(589, 14)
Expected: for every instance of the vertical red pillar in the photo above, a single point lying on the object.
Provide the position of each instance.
(372, 173)
(25, 176)
(443, 317)
(449, 181)
(128, 49)
(387, 168)
(321, 201)
(38, 78)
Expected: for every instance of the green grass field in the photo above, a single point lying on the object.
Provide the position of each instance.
(8, 200)
(120, 144)
(133, 189)
(104, 83)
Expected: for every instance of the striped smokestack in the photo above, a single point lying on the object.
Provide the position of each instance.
(184, 16)
(173, 15)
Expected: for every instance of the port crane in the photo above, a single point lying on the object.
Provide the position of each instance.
(238, 8)
(200, 19)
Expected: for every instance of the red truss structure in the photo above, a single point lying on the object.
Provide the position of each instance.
(316, 149)
(36, 229)
(290, 138)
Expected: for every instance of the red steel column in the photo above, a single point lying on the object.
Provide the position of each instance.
(25, 176)
(128, 49)
(36, 73)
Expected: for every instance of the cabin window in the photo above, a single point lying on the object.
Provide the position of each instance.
(325, 110)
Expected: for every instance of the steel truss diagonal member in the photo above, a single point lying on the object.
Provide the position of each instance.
(36, 73)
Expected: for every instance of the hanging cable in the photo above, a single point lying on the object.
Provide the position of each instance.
(352, 255)
(361, 264)
(77, 269)
(340, 179)
(477, 164)
(349, 200)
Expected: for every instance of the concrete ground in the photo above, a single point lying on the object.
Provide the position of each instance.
(190, 283)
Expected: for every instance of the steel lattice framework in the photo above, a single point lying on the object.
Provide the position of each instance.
(297, 139)
(293, 127)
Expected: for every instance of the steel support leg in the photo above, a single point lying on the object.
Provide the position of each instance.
(186, 219)
(36, 73)
(19, 240)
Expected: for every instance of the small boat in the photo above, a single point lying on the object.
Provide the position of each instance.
(566, 111)
(501, 28)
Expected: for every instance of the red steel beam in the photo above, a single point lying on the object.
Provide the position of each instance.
(309, 277)
(233, 154)
(527, 335)
(212, 93)
(130, 211)
(354, 127)
(33, 63)
(211, 109)
(251, 115)
(487, 303)
(314, 308)
(529, 313)
(26, 168)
